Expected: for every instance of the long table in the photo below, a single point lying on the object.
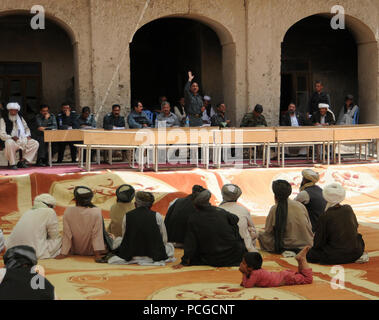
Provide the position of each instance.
(213, 137)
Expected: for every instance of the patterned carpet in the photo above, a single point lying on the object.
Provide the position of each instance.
(80, 278)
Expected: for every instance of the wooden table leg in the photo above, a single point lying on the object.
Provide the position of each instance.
(50, 156)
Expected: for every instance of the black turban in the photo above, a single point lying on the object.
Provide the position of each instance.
(202, 199)
(197, 189)
(83, 196)
(19, 256)
(282, 190)
(125, 193)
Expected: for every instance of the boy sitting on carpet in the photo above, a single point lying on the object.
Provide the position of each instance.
(255, 276)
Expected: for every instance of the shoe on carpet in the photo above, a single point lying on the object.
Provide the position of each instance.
(22, 165)
(13, 167)
(40, 163)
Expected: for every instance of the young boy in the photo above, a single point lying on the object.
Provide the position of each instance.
(255, 276)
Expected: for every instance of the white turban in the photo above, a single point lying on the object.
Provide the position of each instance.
(323, 105)
(334, 194)
(311, 175)
(45, 198)
(207, 98)
(13, 106)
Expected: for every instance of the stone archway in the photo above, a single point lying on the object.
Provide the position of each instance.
(39, 66)
(345, 60)
(215, 64)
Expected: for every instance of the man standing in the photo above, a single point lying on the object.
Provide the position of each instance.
(292, 118)
(38, 228)
(319, 96)
(45, 121)
(193, 102)
(67, 120)
(311, 196)
(137, 119)
(167, 116)
(212, 236)
(16, 134)
(114, 120)
(255, 118)
(219, 119)
(324, 116)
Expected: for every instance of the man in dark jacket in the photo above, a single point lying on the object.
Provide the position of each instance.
(177, 216)
(319, 96)
(292, 118)
(67, 120)
(212, 236)
(114, 120)
(324, 116)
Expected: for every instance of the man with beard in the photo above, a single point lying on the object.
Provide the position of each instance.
(15, 132)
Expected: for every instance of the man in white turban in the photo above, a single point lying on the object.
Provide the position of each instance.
(324, 116)
(310, 196)
(230, 194)
(336, 240)
(38, 228)
(15, 132)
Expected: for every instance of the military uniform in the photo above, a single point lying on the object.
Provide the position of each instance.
(250, 120)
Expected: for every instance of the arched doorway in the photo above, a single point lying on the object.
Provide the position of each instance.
(36, 66)
(164, 50)
(312, 50)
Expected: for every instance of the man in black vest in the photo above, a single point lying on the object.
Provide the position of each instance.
(292, 118)
(19, 280)
(145, 234)
(177, 217)
(311, 196)
(16, 135)
(319, 96)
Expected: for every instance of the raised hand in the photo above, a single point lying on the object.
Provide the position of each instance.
(190, 76)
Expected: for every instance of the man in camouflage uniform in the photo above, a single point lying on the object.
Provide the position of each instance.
(255, 118)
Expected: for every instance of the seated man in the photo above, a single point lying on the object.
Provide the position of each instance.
(125, 195)
(167, 116)
(292, 118)
(324, 116)
(16, 134)
(180, 111)
(255, 118)
(19, 279)
(230, 194)
(212, 236)
(38, 228)
(67, 120)
(219, 119)
(310, 195)
(45, 121)
(137, 119)
(337, 240)
(208, 111)
(177, 216)
(287, 224)
(83, 227)
(87, 119)
(348, 112)
(114, 120)
(145, 236)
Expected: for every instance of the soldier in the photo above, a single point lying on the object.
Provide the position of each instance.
(255, 118)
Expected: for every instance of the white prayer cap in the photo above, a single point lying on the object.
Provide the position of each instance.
(207, 98)
(13, 106)
(334, 194)
(323, 105)
(311, 175)
(46, 199)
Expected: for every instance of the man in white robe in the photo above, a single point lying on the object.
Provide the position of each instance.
(15, 132)
(38, 228)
